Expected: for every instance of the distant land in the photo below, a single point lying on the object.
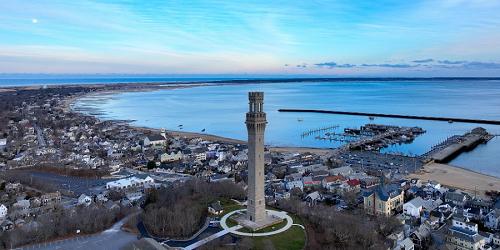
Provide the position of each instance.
(17, 80)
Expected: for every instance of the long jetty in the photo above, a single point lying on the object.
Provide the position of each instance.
(414, 117)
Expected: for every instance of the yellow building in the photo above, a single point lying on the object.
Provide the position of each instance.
(384, 199)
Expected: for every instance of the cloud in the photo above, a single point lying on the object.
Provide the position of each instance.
(416, 64)
(481, 65)
(451, 62)
(468, 64)
(424, 61)
(334, 65)
(387, 65)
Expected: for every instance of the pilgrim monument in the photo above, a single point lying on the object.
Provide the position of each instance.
(256, 124)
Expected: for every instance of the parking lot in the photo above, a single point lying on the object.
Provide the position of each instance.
(76, 185)
(374, 161)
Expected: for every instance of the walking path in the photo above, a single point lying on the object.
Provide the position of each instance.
(234, 229)
(212, 237)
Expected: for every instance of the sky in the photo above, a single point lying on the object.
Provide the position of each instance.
(313, 37)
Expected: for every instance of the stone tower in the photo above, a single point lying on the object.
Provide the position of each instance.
(256, 124)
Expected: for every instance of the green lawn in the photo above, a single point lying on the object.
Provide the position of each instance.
(292, 239)
(228, 206)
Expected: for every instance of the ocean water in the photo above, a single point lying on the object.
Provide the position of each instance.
(220, 110)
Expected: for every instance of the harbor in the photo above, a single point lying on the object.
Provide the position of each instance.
(370, 137)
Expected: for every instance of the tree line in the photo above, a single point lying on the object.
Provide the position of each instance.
(330, 229)
(180, 211)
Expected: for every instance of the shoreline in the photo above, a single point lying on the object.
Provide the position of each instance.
(323, 151)
(457, 177)
(68, 103)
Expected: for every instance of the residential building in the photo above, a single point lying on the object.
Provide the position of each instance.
(456, 197)
(154, 140)
(3, 143)
(215, 208)
(84, 200)
(171, 157)
(3, 211)
(464, 235)
(421, 237)
(383, 200)
(313, 198)
(310, 181)
(492, 219)
(405, 244)
(50, 198)
(417, 206)
(414, 207)
(330, 181)
(292, 182)
(344, 171)
(131, 182)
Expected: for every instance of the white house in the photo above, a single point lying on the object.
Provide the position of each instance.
(294, 181)
(294, 184)
(84, 200)
(154, 140)
(414, 207)
(3, 211)
(313, 197)
(200, 156)
(3, 143)
(131, 182)
(344, 171)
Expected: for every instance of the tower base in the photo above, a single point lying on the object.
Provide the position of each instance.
(242, 219)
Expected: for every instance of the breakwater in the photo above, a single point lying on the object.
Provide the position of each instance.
(414, 117)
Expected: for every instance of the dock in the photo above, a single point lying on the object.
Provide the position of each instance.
(455, 145)
(318, 130)
(413, 117)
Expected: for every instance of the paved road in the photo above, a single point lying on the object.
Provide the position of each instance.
(40, 138)
(110, 239)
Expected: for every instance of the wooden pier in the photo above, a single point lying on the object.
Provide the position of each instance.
(318, 130)
(414, 117)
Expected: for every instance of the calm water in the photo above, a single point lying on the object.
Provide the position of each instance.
(221, 111)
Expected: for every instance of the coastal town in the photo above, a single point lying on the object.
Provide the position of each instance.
(58, 162)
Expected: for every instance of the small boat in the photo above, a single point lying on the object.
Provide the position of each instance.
(371, 118)
(450, 121)
(180, 125)
(300, 119)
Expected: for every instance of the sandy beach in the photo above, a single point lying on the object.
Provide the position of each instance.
(460, 178)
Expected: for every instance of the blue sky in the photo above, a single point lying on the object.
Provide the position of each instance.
(337, 38)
